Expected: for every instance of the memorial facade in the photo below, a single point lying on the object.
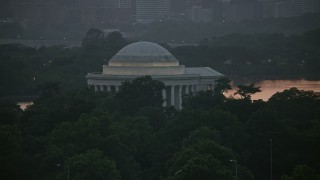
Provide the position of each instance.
(150, 59)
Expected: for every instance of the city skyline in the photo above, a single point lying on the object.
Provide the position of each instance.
(140, 11)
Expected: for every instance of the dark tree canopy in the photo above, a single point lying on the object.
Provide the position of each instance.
(94, 34)
(129, 135)
(221, 85)
(246, 91)
(141, 92)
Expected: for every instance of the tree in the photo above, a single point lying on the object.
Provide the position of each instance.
(202, 100)
(246, 91)
(204, 167)
(302, 172)
(116, 39)
(262, 126)
(297, 105)
(205, 156)
(10, 112)
(90, 165)
(208, 99)
(94, 40)
(221, 85)
(312, 37)
(114, 42)
(141, 92)
(15, 163)
(94, 34)
(48, 89)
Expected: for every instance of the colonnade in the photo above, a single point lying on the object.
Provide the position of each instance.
(172, 94)
(107, 88)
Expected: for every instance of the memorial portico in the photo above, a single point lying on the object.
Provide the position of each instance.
(146, 58)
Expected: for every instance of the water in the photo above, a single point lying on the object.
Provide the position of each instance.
(270, 87)
(24, 105)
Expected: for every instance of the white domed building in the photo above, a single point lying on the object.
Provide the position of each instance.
(146, 58)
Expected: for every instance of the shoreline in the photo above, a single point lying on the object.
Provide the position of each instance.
(19, 98)
(235, 80)
(271, 77)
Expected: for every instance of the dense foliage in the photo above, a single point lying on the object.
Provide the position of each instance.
(24, 69)
(129, 135)
(263, 55)
(86, 135)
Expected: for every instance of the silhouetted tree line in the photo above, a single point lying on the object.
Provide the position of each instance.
(264, 55)
(129, 135)
(24, 69)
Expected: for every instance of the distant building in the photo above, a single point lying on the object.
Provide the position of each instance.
(146, 58)
(117, 3)
(288, 8)
(235, 10)
(119, 11)
(27, 9)
(151, 10)
(200, 14)
(178, 9)
(296, 7)
(268, 8)
(95, 12)
(220, 10)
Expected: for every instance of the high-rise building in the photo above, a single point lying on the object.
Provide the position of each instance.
(288, 8)
(106, 11)
(235, 10)
(178, 9)
(245, 9)
(268, 8)
(150, 10)
(118, 11)
(191, 9)
(191, 3)
(303, 6)
(28, 9)
(200, 14)
(117, 3)
(220, 10)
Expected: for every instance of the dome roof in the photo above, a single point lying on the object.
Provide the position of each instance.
(143, 52)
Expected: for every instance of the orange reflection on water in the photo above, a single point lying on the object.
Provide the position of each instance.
(24, 105)
(270, 87)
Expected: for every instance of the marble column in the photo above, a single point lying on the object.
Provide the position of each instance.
(172, 95)
(108, 88)
(187, 90)
(117, 88)
(164, 97)
(96, 88)
(180, 98)
(193, 89)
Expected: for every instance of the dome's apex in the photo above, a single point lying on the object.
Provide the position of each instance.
(143, 53)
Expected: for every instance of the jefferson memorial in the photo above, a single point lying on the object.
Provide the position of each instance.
(150, 59)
